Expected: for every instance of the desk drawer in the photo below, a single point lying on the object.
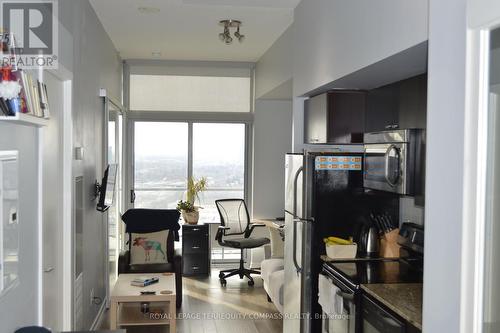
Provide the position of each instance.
(195, 245)
(195, 230)
(195, 264)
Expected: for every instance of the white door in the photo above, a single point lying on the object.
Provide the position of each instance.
(482, 302)
(52, 207)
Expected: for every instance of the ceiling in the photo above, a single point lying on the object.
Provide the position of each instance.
(188, 29)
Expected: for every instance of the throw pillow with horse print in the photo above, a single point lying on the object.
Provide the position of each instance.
(149, 248)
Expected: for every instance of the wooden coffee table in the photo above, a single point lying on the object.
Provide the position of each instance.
(126, 302)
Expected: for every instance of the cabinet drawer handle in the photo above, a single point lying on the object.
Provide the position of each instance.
(195, 247)
(195, 267)
(195, 229)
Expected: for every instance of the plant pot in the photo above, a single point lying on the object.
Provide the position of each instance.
(191, 217)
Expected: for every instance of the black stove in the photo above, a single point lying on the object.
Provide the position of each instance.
(348, 275)
(406, 269)
(360, 272)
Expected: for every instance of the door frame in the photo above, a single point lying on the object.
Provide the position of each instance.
(482, 17)
(107, 101)
(67, 273)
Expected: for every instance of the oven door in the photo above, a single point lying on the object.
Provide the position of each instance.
(344, 322)
(376, 319)
(386, 167)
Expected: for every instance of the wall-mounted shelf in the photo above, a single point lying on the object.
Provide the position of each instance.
(25, 119)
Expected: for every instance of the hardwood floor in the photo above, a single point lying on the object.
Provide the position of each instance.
(209, 308)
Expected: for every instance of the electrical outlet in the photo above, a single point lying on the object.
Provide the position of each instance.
(92, 296)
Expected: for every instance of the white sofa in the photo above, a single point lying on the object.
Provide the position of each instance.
(272, 271)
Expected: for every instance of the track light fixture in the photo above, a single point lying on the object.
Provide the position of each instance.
(226, 35)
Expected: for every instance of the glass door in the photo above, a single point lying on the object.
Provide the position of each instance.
(160, 164)
(219, 156)
(167, 154)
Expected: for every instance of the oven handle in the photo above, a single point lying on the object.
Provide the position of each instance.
(398, 157)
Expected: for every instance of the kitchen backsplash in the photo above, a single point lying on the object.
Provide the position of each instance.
(409, 212)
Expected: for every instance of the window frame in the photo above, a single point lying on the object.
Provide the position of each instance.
(134, 117)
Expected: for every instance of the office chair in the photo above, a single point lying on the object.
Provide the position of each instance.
(234, 232)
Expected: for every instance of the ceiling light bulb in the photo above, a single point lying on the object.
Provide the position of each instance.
(239, 36)
(222, 36)
(229, 40)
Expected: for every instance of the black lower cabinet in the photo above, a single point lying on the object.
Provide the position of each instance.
(377, 318)
(195, 249)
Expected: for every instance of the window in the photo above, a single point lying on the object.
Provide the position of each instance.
(189, 93)
(160, 163)
(162, 158)
(219, 155)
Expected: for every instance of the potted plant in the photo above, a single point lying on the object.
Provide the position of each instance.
(190, 212)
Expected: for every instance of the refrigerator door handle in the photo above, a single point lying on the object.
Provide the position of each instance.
(295, 181)
(295, 219)
(297, 267)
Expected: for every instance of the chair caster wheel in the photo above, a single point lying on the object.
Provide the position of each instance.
(221, 275)
(251, 283)
(223, 282)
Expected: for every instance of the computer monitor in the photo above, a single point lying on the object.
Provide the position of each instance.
(107, 188)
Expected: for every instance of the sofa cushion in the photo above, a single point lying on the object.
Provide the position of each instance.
(276, 283)
(149, 248)
(269, 266)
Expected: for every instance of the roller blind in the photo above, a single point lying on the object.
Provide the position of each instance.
(189, 93)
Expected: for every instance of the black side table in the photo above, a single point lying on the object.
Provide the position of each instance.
(196, 249)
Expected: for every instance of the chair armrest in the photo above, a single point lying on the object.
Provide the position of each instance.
(252, 226)
(221, 231)
(123, 262)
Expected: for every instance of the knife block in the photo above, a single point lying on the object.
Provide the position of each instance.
(389, 247)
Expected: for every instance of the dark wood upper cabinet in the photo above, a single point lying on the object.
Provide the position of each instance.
(347, 114)
(342, 116)
(335, 117)
(412, 109)
(398, 105)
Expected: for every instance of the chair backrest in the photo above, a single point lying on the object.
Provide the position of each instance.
(33, 329)
(142, 221)
(234, 215)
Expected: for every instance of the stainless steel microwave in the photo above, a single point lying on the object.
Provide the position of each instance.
(394, 161)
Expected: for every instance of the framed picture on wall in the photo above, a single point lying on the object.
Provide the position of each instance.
(9, 219)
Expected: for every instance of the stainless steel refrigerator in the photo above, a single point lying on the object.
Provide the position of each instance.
(323, 197)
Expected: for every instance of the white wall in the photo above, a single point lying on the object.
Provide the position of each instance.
(275, 67)
(19, 305)
(272, 140)
(333, 38)
(445, 165)
(95, 65)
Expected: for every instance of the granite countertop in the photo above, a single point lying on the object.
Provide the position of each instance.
(405, 299)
